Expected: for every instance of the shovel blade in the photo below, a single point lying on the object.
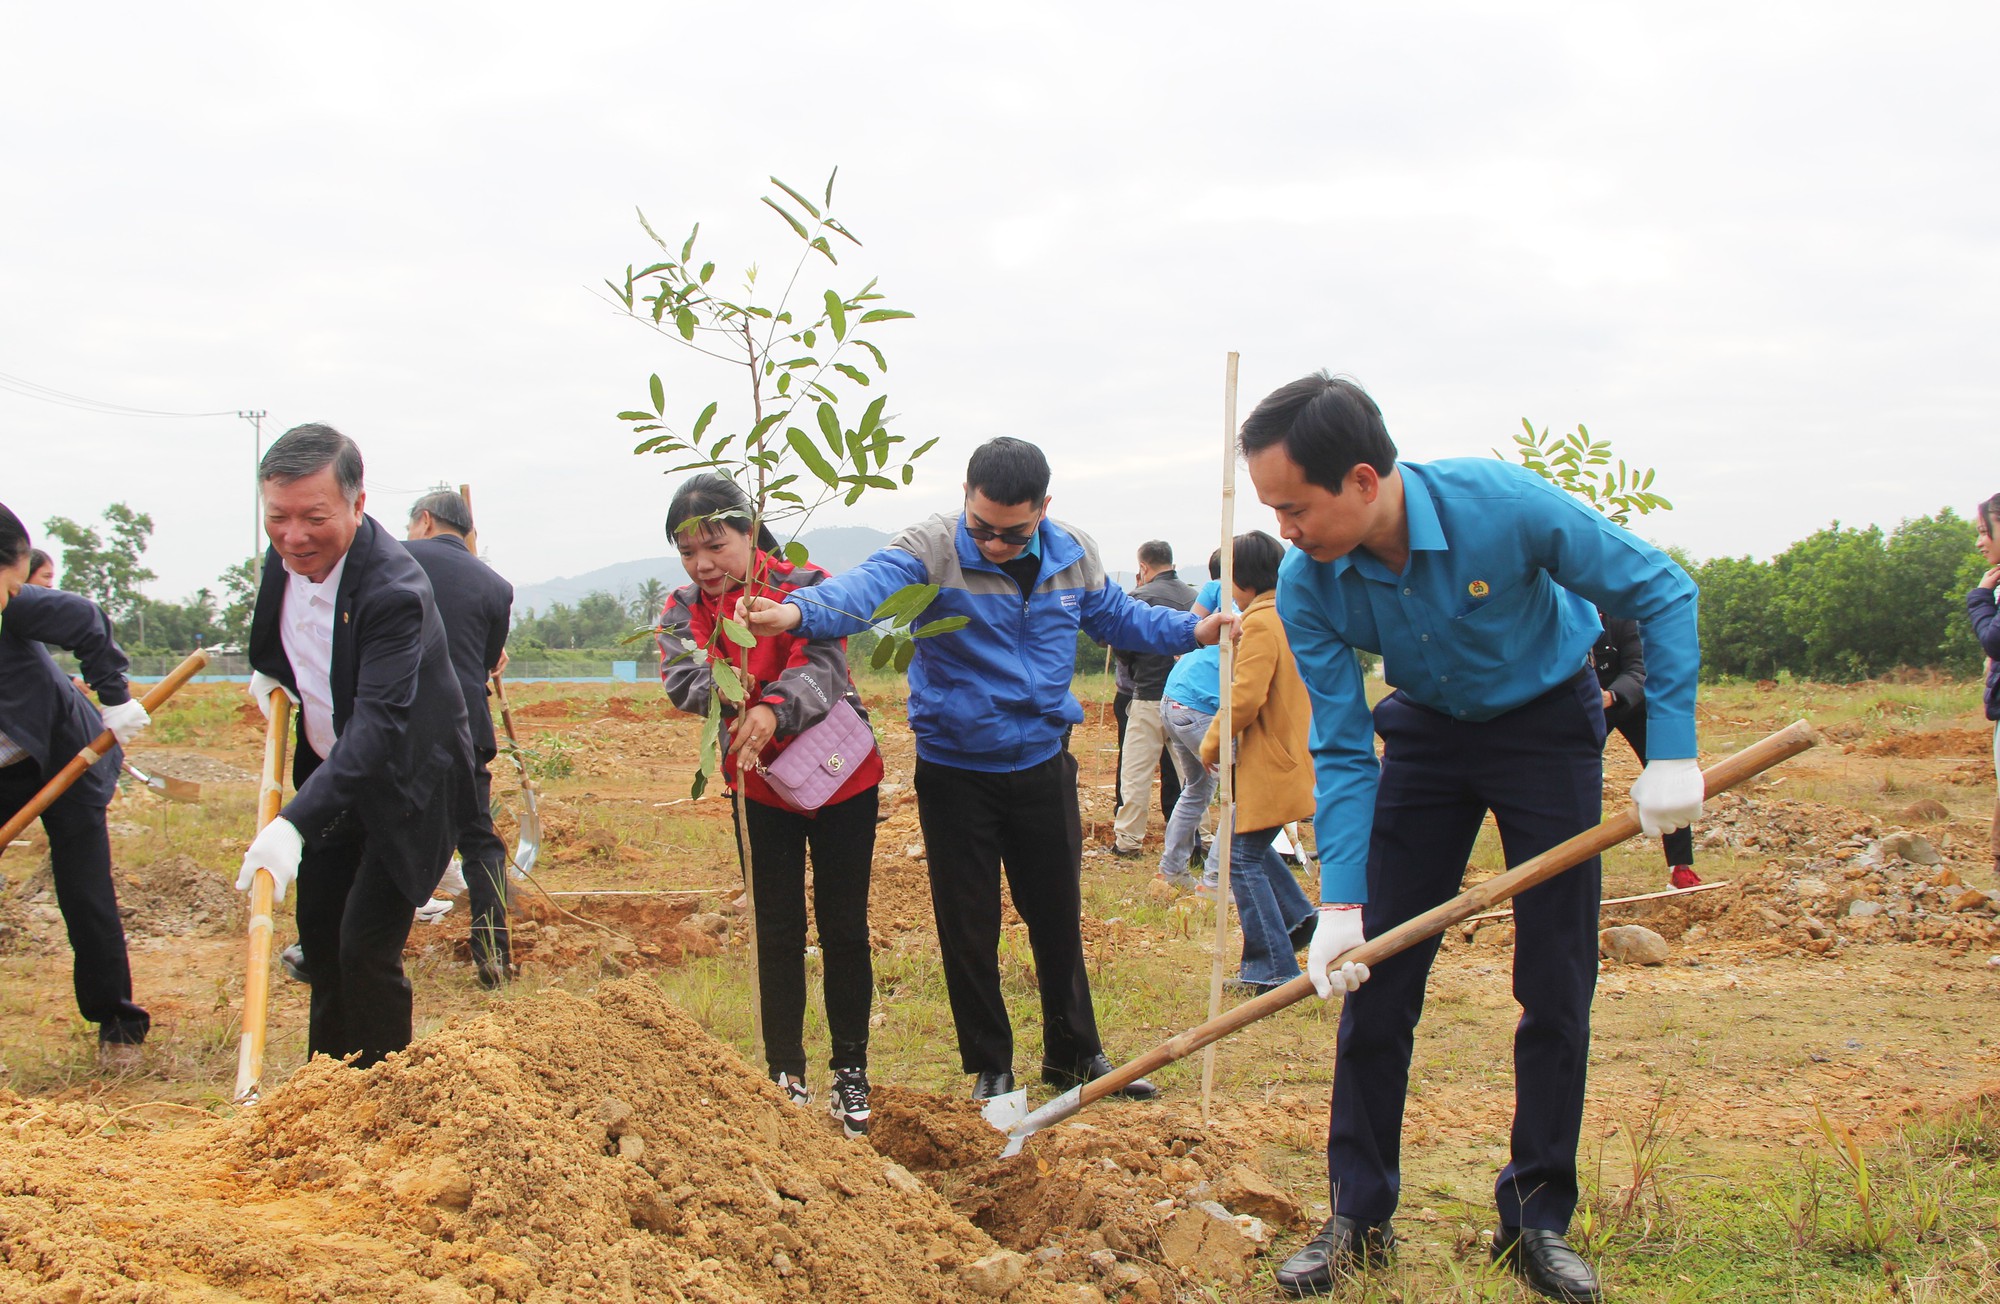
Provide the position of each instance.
(1006, 1110)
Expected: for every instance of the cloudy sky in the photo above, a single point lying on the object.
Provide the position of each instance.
(1753, 245)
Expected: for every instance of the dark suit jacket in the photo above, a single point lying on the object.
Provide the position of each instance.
(397, 706)
(1620, 659)
(476, 605)
(1148, 671)
(40, 709)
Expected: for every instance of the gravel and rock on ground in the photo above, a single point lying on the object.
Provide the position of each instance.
(581, 1137)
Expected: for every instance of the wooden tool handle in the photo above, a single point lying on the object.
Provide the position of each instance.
(96, 749)
(1720, 777)
(257, 970)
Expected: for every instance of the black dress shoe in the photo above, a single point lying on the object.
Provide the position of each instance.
(1343, 1247)
(1544, 1260)
(988, 1085)
(293, 960)
(1096, 1066)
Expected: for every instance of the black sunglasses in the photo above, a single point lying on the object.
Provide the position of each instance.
(987, 535)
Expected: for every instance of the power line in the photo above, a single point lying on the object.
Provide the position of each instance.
(62, 398)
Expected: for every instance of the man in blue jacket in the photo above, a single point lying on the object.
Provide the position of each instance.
(1475, 580)
(991, 708)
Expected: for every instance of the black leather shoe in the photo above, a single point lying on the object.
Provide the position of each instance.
(1544, 1260)
(1096, 1066)
(293, 960)
(1344, 1246)
(988, 1085)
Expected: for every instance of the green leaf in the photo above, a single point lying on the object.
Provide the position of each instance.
(687, 250)
(726, 679)
(720, 445)
(943, 625)
(796, 553)
(842, 231)
(737, 633)
(857, 450)
(819, 243)
(885, 649)
(809, 453)
(762, 428)
(635, 416)
(855, 374)
(883, 314)
(803, 202)
(701, 422)
(807, 337)
(829, 426)
(707, 270)
(787, 495)
(904, 603)
(923, 448)
(836, 313)
(881, 363)
(784, 382)
(829, 185)
(779, 483)
(685, 320)
(904, 653)
(797, 364)
(648, 445)
(790, 221)
(909, 473)
(871, 418)
(659, 393)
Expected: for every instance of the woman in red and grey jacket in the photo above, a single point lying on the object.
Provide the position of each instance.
(795, 683)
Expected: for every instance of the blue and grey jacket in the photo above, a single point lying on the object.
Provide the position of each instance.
(994, 696)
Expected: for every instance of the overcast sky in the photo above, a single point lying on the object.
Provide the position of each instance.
(1753, 245)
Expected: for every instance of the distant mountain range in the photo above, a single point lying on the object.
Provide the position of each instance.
(836, 547)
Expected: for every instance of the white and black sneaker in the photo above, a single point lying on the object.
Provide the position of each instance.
(849, 1101)
(793, 1087)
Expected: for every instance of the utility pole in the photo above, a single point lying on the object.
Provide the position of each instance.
(256, 420)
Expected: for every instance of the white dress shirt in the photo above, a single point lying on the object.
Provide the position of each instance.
(305, 625)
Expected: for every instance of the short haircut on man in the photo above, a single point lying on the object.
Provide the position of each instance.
(1327, 424)
(1008, 471)
(447, 508)
(308, 450)
(13, 538)
(1156, 552)
(1255, 558)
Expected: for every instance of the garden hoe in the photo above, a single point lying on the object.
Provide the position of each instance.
(166, 784)
(1752, 760)
(257, 971)
(95, 751)
(529, 848)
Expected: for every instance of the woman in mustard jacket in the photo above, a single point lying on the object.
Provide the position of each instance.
(1274, 773)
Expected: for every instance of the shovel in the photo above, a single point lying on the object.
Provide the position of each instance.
(165, 784)
(257, 973)
(1752, 760)
(95, 750)
(529, 848)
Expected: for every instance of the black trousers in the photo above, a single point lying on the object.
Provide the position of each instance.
(842, 842)
(1678, 845)
(974, 824)
(353, 921)
(485, 859)
(1170, 774)
(80, 860)
(1539, 769)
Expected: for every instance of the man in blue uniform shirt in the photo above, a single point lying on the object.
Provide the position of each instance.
(1476, 581)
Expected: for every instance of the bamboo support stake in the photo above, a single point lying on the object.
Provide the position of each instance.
(257, 968)
(1225, 829)
(96, 749)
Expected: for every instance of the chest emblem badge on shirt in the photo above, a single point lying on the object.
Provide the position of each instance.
(1478, 588)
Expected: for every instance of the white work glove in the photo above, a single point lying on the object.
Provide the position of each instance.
(1337, 932)
(261, 688)
(278, 849)
(1668, 795)
(125, 720)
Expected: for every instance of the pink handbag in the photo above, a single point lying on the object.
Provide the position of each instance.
(822, 758)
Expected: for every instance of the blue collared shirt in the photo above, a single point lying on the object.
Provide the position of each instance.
(1496, 605)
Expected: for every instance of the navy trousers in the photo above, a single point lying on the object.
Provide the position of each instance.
(1539, 769)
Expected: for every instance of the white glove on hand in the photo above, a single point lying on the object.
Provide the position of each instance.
(125, 720)
(1337, 932)
(261, 688)
(278, 849)
(1668, 795)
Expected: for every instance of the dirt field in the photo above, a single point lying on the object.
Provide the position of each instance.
(594, 1132)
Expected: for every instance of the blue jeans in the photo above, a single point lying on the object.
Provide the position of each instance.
(1269, 905)
(1186, 727)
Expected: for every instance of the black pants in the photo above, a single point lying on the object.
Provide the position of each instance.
(80, 859)
(1170, 775)
(974, 823)
(1539, 768)
(1679, 845)
(485, 859)
(842, 841)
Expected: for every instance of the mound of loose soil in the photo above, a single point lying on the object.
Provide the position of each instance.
(1934, 742)
(178, 897)
(555, 1149)
(192, 766)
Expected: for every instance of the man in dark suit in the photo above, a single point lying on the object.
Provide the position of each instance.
(476, 604)
(346, 625)
(44, 721)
